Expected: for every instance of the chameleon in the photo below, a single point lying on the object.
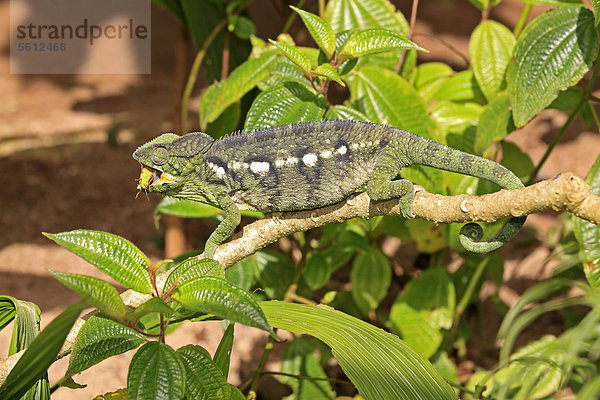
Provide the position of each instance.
(307, 166)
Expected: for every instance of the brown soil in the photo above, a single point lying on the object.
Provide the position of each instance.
(59, 174)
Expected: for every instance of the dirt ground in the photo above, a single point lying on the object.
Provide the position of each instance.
(59, 173)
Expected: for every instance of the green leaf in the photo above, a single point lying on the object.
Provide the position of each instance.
(380, 365)
(328, 71)
(423, 308)
(40, 354)
(320, 30)
(26, 318)
(284, 71)
(221, 95)
(386, 98)
(155, 305)
(429, 77)
(294, 55)
(316, 271)
(26, 326)
(192, 268)
(495, 122)
(516, 160)
(222, 356)
(371, 276)
(275, 273)
(285, 103)
(156, 372)
(344, 113)
(300, 359)
(588, 234)
(375, 41)
(490, 49)
(428, 237)
(227, 122)
(344, 15)
(98, 339)
(460, 87)
(596, 6)
(214, 295)
(114, 255)
(184, 209)
(95, 292)
(454, 117)
(554, 52)
(242, 273)
(204, 380)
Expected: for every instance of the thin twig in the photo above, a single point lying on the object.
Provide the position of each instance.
(411, 29)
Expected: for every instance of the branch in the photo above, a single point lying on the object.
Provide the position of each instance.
(563, 192)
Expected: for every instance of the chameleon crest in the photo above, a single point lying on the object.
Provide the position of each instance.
(304, 167)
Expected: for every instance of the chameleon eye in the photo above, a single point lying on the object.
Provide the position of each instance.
(160, 155)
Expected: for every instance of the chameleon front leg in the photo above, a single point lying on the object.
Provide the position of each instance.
(382, 186)
(226, 227)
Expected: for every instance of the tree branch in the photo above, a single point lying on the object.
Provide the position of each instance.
(563, 192)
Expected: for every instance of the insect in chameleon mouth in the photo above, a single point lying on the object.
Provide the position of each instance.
(151, 176)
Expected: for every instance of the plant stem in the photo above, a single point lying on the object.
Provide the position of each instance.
(253, 382)
(563, 129)
(522, 20)
(322, 8)
(413, 19)
(193, 76)
(308, 378)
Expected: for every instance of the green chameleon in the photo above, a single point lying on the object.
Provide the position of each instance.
(304, 167)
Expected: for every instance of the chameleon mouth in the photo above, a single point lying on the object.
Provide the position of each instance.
(152, 177)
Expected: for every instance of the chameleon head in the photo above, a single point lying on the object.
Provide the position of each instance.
(168, 161)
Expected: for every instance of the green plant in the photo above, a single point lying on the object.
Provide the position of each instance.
(364, 47)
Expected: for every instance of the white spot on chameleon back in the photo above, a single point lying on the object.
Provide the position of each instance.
(291, 160)
(310, 159)
(279, 163)
(259, 167)
(354, 146)
(326, 154)
(236, 165)
(220, 171)
(342, 150)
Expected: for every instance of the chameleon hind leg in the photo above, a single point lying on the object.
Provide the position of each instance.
(383, 185)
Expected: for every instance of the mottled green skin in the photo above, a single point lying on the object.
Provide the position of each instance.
(308, 166)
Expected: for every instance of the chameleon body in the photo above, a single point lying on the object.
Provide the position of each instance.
(307, 166)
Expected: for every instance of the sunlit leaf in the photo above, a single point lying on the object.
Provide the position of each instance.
(294, 55)
(320, 30)
(156, 372)
(40, 354)
(114, 255)
(96, 292)
(490, 49)
(283, 104)
(374, 41)
(214, 295)
(553, 52)
(379, 364)
(98, 339)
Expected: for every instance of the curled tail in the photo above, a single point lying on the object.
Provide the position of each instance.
(435, 155)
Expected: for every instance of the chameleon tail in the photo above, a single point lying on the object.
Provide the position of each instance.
(435, 155)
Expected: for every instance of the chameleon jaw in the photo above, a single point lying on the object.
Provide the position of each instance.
(150, 176)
